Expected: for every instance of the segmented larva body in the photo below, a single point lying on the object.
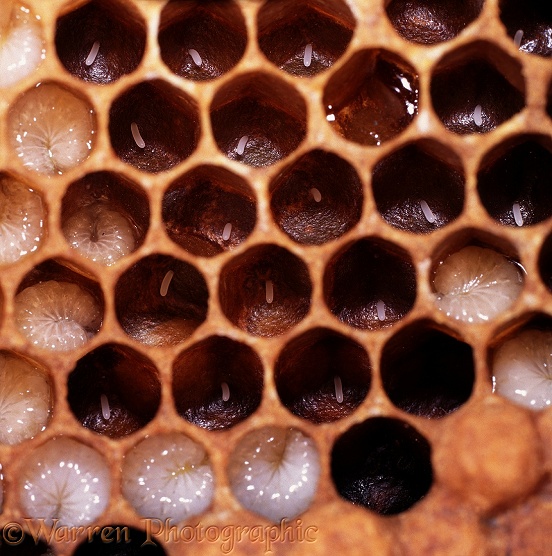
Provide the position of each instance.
(100, 234)
(51, 129)
(21, 46)
(22, 218)
(25, 400)
(476, 284)
(168, 476)
(65, 480)
(274, 472)
(59, 316)
(522, 369)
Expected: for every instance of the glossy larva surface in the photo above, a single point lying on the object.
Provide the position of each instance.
(58, 316)
(168, 476)
(476, 284)
(522, 369)
(22, 217)
(274, 472)
(65, 480)
(51, 130)
(21, 45)
(25, 400)
(100, 234)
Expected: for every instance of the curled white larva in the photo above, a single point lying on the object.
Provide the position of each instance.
(59, 316)
(100, 234)
(51, 129)
(25, 400)
(21, 46)
(168, 476)
(476, 284)
(22, 217)
(522, 369)
(66, 480)
(274, 472)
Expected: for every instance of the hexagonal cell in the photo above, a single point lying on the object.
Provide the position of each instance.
(477, 88)
(101, 41)
(529, 24)
(322, 376)
(274, 472)
(217, 383)
(22, 49)
(427, 371)
(370, 284)
(26, 398)
(153, 126)
(209, 211)
(521, 364)
(317, 198)
(258, 119)
(114, 390)
(22, 219)
(265, 291)
(476, 277)
(382, 464)
(51, 128)
(119, 539)
(57, 308)
(186, 32)
(172, 302)
(304, 38)
(420, 187)
(372, 98)
(545, 262)
(104, 217)
(514, 178)
(431, 21)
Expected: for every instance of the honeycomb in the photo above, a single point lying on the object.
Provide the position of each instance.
(285, 181)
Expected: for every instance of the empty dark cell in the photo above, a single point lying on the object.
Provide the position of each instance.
(427, 372)
(382, 464)
(545, 262)
(432, 21)
(518, 174)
